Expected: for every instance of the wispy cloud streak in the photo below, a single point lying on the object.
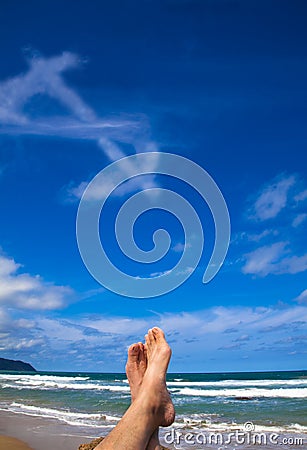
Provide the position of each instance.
(272, 199)
(79, 120)
(45, 77)
(281, 201)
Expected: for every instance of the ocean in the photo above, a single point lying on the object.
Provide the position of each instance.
(216, 402)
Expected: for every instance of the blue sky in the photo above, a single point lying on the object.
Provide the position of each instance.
(222, 83)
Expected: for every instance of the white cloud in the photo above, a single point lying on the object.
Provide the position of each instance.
(179, 247)
(259, 236)
(273, 259)
(262, 260)
(302, 298)
(276, 257)
(204, 323)
(185, 271)
(301, 196)
(79, 120)
(25, 291)
(242, 338)
(73, 192)
(134, 184)
(100, 190)
(272, 199)
(4, 319)
(159, 274)
(293, 264)
(22, 344)
(117, 325)
(299, 219)
(254, 237)
(44, 77)
(102, 341)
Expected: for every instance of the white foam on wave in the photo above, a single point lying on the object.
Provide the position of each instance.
(45, 382)
(238, 383)
(294, 388)
(248, 392)
(69, 417)
(49, 385)
(41, 377)
(38, 381)
(210, 423)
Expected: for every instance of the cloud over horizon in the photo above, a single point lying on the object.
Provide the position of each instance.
(31, 329)
(28, 292)
(205, 331)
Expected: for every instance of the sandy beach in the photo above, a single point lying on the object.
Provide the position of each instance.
(10, 443)
(22, 432)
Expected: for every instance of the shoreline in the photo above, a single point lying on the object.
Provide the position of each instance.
(35, 433)
(20, 431)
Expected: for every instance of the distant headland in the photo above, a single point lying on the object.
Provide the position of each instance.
(17, 366)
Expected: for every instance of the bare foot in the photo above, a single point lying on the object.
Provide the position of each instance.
(154, 381)
(135, 370)
(135, 367)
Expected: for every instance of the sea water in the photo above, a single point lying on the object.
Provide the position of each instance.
(217, 401)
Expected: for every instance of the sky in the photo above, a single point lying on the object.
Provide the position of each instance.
(221, 83)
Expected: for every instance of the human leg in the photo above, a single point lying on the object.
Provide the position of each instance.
(135, 370)
(152, 407)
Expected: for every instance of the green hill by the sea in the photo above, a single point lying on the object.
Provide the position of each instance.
(18, 366)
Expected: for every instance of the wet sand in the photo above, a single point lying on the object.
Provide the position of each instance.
(10, 443)
(37, 433)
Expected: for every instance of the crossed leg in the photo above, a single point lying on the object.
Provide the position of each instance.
(135, 370)
(151, 406)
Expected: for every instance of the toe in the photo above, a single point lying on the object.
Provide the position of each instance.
(151, 336)
(158, 334)
(147, 341)
(145, 352)
(143, 356)
(133, 353)
(141, 351)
